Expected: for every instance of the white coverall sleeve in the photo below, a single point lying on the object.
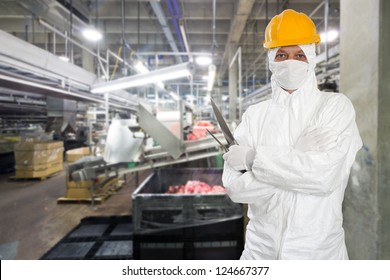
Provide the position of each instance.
(244, 188)
(313, 172)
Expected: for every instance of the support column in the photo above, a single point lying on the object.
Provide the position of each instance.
(233, 77)
(87, 61)
(365, 79)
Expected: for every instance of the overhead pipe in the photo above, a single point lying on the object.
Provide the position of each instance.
(163, 22)
(176, 24)
(178, 17)
(177, 8)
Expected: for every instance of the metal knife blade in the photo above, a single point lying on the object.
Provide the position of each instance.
(223, 125)
(219, 142)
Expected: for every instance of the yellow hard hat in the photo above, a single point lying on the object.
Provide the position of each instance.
(290, 28)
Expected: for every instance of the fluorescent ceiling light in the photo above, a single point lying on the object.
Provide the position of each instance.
(174, 96)
(64, 58)
(330, 36)
(159, 75)
(92, 34)
(141, 68)
(204, 60)
(210, 83)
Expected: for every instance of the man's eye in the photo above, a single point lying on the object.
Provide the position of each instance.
(301, 56)
(280, 55)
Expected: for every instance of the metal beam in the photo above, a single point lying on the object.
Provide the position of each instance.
(244, 8)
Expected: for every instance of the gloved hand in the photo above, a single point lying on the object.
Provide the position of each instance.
(317, 139)
(240, 157)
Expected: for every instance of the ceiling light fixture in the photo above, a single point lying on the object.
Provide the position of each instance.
(141, 68)
(212, 70)
(92, 34)
(159, 75)
(330, 36)
(174, 96)
(64, 58)
(203, 60)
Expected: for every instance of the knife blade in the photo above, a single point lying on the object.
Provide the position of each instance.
(223, 125)
(219, 142)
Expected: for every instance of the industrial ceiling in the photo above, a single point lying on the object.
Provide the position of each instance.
(160, 33)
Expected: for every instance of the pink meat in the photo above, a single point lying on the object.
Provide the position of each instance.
(196, 187)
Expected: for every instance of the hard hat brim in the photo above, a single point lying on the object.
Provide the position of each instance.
(274, 44)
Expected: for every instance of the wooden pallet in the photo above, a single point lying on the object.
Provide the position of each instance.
(110, 188)
(40, 172)
(97, 200)
(42, 178)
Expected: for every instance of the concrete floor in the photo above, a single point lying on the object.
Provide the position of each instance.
(32, 222)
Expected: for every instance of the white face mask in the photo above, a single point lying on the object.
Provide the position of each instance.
(289, 74)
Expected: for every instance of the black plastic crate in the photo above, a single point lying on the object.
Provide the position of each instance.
(112, 238)
(96, 238)
(222, 240)
(153, 208)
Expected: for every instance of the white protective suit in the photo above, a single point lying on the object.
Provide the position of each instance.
(295, 197)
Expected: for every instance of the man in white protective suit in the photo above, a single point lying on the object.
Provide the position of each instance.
(297, 149)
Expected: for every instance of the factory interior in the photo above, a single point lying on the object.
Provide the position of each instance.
(108, 117)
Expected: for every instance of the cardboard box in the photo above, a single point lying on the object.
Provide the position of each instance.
(38, 145)
(38, 159)
(38, 152)
(82, 190)
(34, 157)
(25, 173)
(76, 154)
(37, 167)
(78, 190)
